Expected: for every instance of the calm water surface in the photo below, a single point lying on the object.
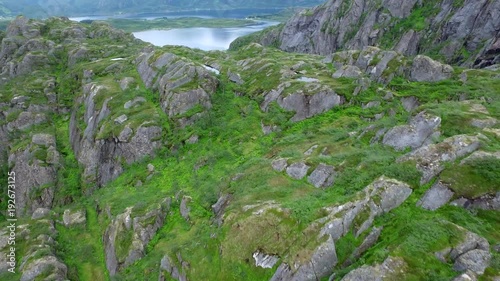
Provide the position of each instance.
(199, 37)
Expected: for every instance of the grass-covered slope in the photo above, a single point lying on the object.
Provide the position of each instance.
(162, 206)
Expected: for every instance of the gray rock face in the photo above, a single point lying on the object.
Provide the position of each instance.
(369, 241)
(134, 103)
(141, 229)
(410, 103)
(471, 255)
(35, 188)
(279, 165)
(307, 106)
(297, 170)
(23, 50)
(390, 269)
(126, 82)
(172, 270)
(475, 260)
(486, 202)
(26, 120)
(184, 208)
(379, 197)
(379, 65)
(348, 71)
(417, 133)
(40, 213)
(40, 261)
(431, 158)
(484, 123)
(264, 260)
(44, 139)
(467, 276)
(182, 84)
(322, 176)
(220, 206)
(102, 158)
(235, 78)
(334, 25)
(435, 197)
(399, 9)
(72, 218)
(303, 104)
(425, 69)
(58, 270)
(320, 265)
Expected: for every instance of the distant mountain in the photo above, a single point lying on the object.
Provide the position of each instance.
(465, 32)
(45, 8)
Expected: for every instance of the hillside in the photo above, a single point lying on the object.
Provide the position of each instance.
(134, 162)
(465, 32)
(43, 9)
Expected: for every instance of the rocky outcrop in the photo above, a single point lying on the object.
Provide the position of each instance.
(485, 202)
(23, 50)
(380, 197)
(430, 159)
(127, 236)
(379, 65)
(265, 260)
(369, 241)
(348, 25)
(183, 85)
(167, 266)
(420, 131)
(279, 164)
(435, 197)
(220, 206)
(471, 254)
(37, 166)
(297, 170)
(304, 105)
(323, 176)
(425, 69)
(391, 269)
(102, 158)
(39, 260)
(73, 218)
(184, 207)
(320, 265)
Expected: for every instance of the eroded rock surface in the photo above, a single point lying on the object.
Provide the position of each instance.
(418, 132)
(431, 158)
(182, 84)
(334, 25)
(132, 232)
(435, 197)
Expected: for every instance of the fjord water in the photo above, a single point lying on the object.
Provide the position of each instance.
(202, 38)
(197, 37)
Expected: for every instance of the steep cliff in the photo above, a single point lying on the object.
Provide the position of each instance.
(463, 32)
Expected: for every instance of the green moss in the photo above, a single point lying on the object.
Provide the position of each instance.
(475, 178)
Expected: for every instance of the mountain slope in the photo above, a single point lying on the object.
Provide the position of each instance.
(462, 32)
(37, 8)
(134, 162)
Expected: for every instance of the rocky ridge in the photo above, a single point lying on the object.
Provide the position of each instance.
(409, 27)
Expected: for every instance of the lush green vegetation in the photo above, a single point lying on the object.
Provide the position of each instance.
(233, 156)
